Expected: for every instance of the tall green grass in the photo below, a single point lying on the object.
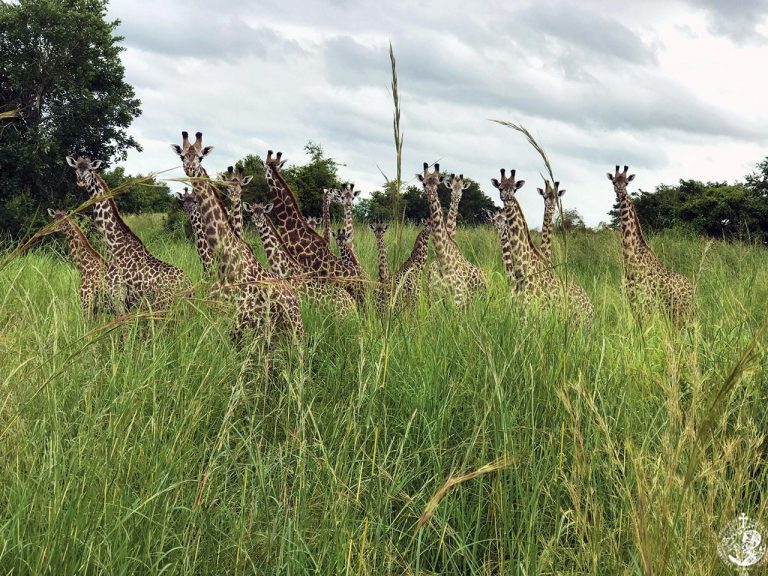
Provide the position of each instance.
(156, 447)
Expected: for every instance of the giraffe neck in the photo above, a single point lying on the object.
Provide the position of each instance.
(439, 234)
(79, 246)
(632, 242)
(285, 209)
(326, 217)
(453, 213)
(121, 242)
(348, 254)
(279, 260)
(506, 254)
(383, 266)
(523, 252)
(418, 255)
(203, 250)
(236, 213)
(235, 256)
(349, 230)
(546, 231)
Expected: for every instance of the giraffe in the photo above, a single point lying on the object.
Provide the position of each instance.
(329, 194)
(286, 266)
(550, 194)
(299, 239)
(345, 197)
(455, 273)
(189, 205)
(134, 275)
(90, 264)
(263, 300)
(457, 186)
(646, 280)
(379, 230)
(499, 222)
(408, 277)
(313, 222)
(532, 276)
(235, 180)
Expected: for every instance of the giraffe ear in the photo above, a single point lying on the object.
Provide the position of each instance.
(495, 182)
(268, 207)
(71, 161)
(631, 177)
(370, 226)
(610, 176)
(386, 227)
(176, 148)
(247, 207)
(356, 194)
(51, 213)
(561, 192)
(420, 177)
(247, 180)
(541, 192)
(95, 164)
(466, 185)
(206, 151)
(519, 184)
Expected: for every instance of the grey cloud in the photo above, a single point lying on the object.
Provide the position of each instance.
(735, 19)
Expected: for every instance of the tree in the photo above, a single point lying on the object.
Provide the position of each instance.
(141, 194)
(61, 70)
(569, 220)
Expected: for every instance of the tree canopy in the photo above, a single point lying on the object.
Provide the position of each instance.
(61, 72)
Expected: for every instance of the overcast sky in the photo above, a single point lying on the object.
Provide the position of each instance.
(675, 89)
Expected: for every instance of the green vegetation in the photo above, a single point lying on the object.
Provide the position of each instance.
(153, 446)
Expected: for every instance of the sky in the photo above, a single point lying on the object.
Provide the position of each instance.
(673, 88)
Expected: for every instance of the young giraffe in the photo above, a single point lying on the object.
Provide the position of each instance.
(408, 277)
(313, 222)
(647, 282)
(379, 230)
(134, 276)
(235, 180)
(499, 222)
(189, 205)
(285, 266)
(455, 273)
(532, 275)
(299, 239)
(328, 196)
(90, 264)
(550, 194)
(345, 197)
(457, 186)
(261, 297)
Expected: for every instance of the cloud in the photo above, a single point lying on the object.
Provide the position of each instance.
(739, 21)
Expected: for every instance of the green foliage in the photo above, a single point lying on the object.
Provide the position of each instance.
(717, 209)
(569, 220)
(61, 69)
(141, 195)
(158, 447)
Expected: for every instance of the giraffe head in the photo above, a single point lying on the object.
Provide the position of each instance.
(258, 211)
(620, 181)
(426, 222)
(347, 194)
(342, 238)
(550, 194)
(191, 154)
(313, 222)
(507, 186)
(84, 169)
(187, 199)
(378, 229)
(456, 184)
(60, 219)
(274, 162)
(497, 218)
(431, 179)
(235, 179)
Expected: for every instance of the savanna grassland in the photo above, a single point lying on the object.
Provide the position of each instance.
(151, 446)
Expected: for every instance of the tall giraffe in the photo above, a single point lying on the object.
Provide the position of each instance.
(299, 239)
(235, 180)
(532, 275)
(647, 282)
(90, 264)
(456, 274)
(189, 205)
(261, 297)
(457, 186)
(346, 196)
(134, 276)
(286, 266)
(379, 230)
(550, 194)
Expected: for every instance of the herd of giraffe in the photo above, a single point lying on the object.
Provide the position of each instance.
(302, 266)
